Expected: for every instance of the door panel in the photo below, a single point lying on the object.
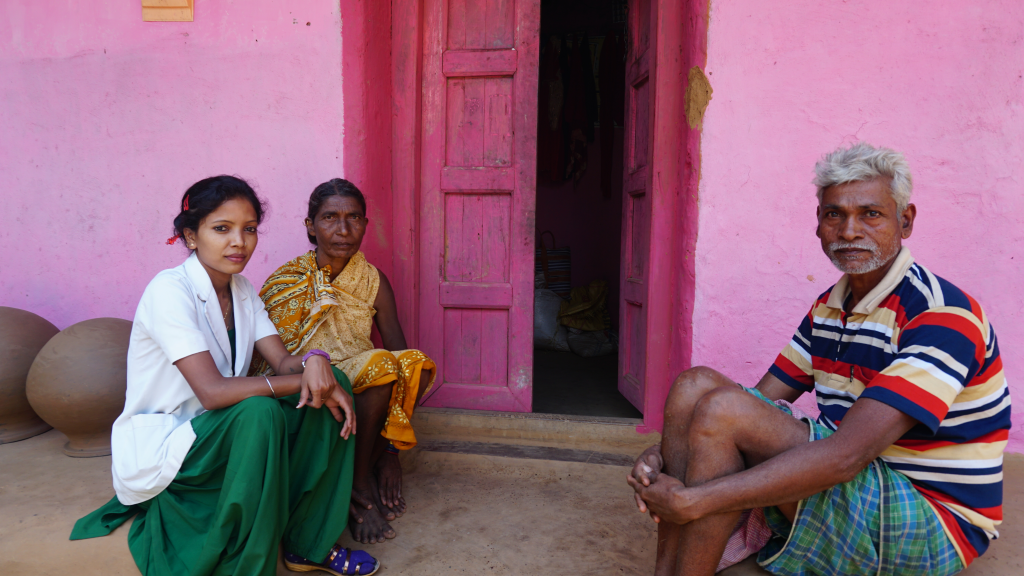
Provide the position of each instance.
(480, 24)
(477, 248)
(479, 122)
(480, 66)
(469, 335)
(639, 237)
(636, 212)
(639, 126)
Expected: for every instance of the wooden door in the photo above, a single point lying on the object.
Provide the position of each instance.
(479, 120)
(637, 200)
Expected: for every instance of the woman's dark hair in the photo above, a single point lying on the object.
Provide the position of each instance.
(207, 195)
(335, 187)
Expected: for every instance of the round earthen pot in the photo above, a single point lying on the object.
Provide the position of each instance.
(77, 383)
(22, 336)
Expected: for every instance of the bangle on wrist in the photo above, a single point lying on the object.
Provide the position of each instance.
(312, 353)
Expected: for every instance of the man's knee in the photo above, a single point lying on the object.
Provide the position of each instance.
(689, 387)
(718, 410)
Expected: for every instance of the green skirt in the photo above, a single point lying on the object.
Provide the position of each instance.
(259, 473)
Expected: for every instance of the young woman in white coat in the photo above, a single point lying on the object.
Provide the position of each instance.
(218, 468)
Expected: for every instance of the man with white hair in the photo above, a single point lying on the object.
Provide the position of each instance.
(902, 471)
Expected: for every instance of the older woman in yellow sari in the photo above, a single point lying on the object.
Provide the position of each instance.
(327, 299)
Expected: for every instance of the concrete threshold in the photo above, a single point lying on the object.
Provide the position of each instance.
(597, 434)
(527, 452)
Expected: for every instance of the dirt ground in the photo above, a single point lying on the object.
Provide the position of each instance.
(469, 513)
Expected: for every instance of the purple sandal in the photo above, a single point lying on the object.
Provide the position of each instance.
(340, 562)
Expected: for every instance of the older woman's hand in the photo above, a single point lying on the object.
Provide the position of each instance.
(318, 382)
(340, 404)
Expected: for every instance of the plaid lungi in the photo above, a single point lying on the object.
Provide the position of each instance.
(878, 523)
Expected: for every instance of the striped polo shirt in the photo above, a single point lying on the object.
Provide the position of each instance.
(924, 347)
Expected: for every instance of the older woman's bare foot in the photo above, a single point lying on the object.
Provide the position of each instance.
(388, 471)
(365, 521)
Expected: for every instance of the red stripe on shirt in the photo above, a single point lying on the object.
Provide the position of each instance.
(975, 307)
(893, 303)
(995, 512)
(953, 322)
(992, 370)
(863, 374)
(925, 445)
(794, 371)
(832, 366)
(949, 519)
(912, 392)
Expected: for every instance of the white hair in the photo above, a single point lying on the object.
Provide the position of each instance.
(861, 162)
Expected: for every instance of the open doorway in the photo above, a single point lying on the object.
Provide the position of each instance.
(579, 208)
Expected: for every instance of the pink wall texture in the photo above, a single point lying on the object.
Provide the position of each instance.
(941, 82)
(106, 120)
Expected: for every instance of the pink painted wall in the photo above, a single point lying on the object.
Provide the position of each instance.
(940, 81)
(105, 120)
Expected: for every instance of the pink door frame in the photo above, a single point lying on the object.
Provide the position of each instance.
(680, 43)
(367, 79)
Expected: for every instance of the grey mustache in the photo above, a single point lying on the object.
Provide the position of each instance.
(854, 245)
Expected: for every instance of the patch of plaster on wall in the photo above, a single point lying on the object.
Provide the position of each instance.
(698, 95)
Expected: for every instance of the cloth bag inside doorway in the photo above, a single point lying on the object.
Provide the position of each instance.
(556, 265)
(587, 308)
(548, 333)
(586, 316)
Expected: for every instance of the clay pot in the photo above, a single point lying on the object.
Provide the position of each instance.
(22, 336)
(77, 383)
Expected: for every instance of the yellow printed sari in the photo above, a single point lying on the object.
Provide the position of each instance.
(311, 312)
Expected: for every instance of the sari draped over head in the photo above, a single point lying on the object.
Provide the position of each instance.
(311, 312)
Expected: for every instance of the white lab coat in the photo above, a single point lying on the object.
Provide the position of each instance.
(179, 315)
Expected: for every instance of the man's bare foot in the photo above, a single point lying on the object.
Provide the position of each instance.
(365, 521)
(388, 471)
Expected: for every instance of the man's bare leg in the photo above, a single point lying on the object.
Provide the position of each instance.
(687, 390)
(713, 429)
(367, 517)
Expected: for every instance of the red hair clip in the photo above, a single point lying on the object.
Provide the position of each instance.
(174, 238)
